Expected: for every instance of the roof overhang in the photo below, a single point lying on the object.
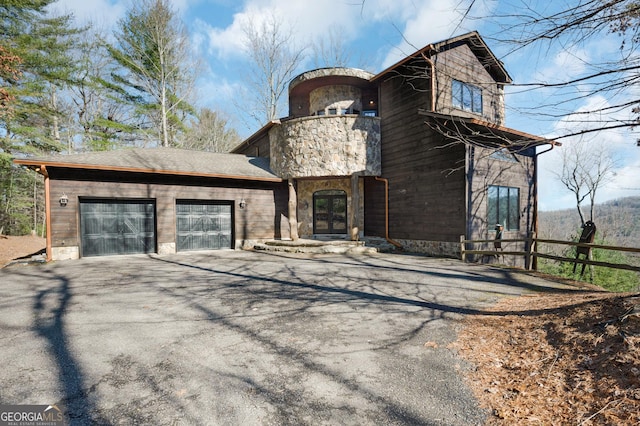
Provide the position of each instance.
(44, 167)
(484, 133)
(477, 45)
(254, 137)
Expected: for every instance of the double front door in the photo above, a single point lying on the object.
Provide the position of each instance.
(330, 212)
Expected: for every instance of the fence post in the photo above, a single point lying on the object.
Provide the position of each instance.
(463, 255)
(528, 257)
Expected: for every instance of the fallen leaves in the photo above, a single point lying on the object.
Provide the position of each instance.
(557, 359)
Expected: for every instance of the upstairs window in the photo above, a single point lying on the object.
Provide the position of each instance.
(466, 96)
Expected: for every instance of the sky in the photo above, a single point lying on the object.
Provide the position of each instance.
(378, 33)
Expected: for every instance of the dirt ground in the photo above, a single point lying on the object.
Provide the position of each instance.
(12, 247)
(542, 359)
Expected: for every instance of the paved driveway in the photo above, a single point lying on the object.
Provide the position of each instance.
(235, 337)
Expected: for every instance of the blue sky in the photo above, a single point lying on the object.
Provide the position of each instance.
(379, 33)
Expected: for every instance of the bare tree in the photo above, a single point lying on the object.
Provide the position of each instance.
(210, 133)
(275, 59)
(331, 51)
(586, 166)
(570, 28)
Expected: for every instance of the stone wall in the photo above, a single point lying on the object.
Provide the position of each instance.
(431, 248)
(339, 97)
(305, 191)
(326, 146)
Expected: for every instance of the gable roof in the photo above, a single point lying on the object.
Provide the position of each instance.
(168, 161)
(477, 45)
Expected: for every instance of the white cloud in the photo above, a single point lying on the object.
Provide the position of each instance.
(102, 13)
(619, 144)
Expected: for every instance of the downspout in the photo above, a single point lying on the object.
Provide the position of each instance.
(432, 77)
(47, 210)
(386, 212)
(534, 261)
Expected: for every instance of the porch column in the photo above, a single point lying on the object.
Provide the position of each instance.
(293, 211)
(355, 208)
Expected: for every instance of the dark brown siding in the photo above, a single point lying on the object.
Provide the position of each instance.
(461, 64)
(426, 177)
(503, 171)
(374, 207)
(258, 147)
(263, 216)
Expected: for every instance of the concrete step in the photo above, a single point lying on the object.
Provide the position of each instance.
(315, 246)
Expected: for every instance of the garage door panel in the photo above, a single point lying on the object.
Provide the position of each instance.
(110, 227)
(203, 225)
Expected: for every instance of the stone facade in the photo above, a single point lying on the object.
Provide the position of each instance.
(340, 98)
(306, 188)
(431, 248)
(339, 145)
(65, 253)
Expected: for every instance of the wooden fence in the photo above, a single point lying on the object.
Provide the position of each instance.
(531, 253)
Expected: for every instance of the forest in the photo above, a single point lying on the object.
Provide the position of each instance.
(617, 223)
(67, 89)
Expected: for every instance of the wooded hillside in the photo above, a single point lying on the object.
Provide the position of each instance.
(617, 221)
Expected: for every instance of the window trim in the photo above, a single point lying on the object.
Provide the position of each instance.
(472, 102)
(512, 198)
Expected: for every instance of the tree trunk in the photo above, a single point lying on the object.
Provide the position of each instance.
(293, 211)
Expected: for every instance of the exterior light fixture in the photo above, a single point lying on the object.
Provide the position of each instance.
(243, 203)
(64, 200)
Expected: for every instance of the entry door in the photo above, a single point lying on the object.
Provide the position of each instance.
(330, 212)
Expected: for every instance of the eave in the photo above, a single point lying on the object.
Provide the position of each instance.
(41, 167)
(492, 129)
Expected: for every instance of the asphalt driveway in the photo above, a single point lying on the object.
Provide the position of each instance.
(234, 337)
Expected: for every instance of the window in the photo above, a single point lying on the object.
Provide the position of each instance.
(466, 97)
(503, 207)
(333, 111)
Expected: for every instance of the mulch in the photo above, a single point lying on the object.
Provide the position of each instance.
(557, 359)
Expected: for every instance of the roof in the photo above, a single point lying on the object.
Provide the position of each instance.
(168, 161)
(477, 45)
(488, 133)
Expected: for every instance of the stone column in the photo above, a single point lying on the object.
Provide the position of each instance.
(293, 211)
(355, 208)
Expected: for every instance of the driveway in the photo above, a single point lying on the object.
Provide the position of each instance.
(235, 337)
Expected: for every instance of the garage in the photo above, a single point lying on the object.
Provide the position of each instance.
(203, 225)
(110, 227)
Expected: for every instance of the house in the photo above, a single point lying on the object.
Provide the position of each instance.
(417, 154)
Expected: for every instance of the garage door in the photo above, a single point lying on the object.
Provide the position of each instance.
(117, 227)
(203, 225)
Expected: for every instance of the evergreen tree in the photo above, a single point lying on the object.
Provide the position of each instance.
(35, 67)
(156, 72)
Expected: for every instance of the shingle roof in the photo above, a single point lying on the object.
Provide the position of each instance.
(163, 161)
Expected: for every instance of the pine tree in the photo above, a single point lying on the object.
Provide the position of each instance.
(156, 72)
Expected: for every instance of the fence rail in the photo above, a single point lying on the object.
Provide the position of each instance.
(531, 252)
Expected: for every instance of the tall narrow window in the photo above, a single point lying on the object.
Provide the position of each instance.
(503, 206)
(466, 96)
